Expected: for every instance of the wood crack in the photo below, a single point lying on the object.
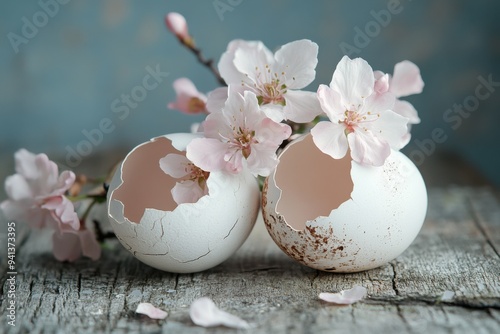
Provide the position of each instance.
(394, 278)
(430, 302)
(316, 275)
(79, 285)
(176, 281)
(402, 317)
(476, 218)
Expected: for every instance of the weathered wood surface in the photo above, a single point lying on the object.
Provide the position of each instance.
(457, 249)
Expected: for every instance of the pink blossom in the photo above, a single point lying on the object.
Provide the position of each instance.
(344, 297)
(276, 79)
(239, 136)
(203, 312)
(36, 193)
(177, 25)
(193, 181)
(36, 197)
(360, 119)
(405, 81)
(189, 99)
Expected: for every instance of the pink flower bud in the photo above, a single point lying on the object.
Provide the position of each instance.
(177, 24)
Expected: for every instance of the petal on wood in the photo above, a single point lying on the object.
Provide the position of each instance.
(344, 297)
(203, 312)
(151, 311)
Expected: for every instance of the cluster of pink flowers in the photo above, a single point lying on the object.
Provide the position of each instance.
(36, 196)
(250, 118)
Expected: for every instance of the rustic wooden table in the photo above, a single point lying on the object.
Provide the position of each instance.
(457, 249)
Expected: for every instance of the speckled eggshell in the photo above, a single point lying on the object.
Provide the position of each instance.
(184, 238)
(374, 215)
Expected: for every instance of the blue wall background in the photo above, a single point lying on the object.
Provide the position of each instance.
(65, 78)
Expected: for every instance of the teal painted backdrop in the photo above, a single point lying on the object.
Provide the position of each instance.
(67, 66)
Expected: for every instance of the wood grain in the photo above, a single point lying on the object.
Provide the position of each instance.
(457, 250)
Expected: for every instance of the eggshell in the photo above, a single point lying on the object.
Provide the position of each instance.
(183, 238)
(338, 215)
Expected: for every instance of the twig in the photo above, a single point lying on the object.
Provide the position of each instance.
(209, 63)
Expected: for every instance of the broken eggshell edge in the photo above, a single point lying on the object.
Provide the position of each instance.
(380, 219)
(194, 236)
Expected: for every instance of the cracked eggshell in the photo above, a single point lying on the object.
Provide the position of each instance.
(182, 238)
(338, 215)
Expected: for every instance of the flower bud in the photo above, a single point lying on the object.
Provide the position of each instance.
(177, 24)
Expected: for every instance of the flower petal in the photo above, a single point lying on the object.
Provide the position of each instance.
(89, 244)
(17, 188)
(390, 127)
(226, 66)
(301, 106)
(381, 83)
(298, 60)
(378, 102)
(251, 59)
(261, 162)
(406, 79)
(330, 102)
(251, 115)
(368, 149)
(187, 192)
(275, 112)
(354, 80)
(221, 123)
(207, 153)
(203, 312)
(66, 246)
(63, 210)
(46, 181)
(151, 311)
(25, 164)
(184, 86)
(64, 182)
(406, 109)
(216, 99)
(344, 297)
(189, 99)
(175, 165)
(271, 134)
(330, 139)
(20, 211)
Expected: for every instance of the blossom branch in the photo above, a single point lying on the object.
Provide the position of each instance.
(209, 63)
(177, 25)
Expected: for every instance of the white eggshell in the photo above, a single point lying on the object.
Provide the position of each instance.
(182, 238)
(338, 215)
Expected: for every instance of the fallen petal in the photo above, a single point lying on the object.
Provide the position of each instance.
(344, 297)
(151, 311)
(203, 312)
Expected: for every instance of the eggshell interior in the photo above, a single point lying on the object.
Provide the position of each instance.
(145, 185)
(181, 238)
(298, 176)
(364, 226)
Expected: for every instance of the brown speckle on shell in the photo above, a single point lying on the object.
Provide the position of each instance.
(315, 246)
